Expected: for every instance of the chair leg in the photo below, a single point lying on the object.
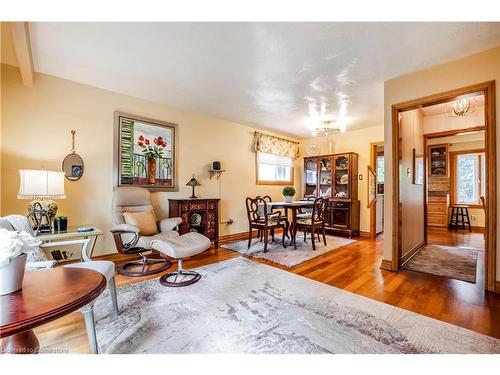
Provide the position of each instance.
(265, 240)
(305, 234)
(250, 237)
(324, 235)
(468, 218)
(319, 238)
(272, 234)
(88, 315)
(312, 237)
(112, 293)
(283, 238)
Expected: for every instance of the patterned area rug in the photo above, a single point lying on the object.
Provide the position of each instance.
(241, 306)
(448, 261)
(288, 257)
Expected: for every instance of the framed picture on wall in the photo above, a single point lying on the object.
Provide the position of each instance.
(145, 153)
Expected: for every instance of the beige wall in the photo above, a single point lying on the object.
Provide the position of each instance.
(473, 69)
(7, 47)
(357, 141)
(36, 125)
(411, 195)
(443, 122)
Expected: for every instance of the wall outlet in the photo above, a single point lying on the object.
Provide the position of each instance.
(473, 217)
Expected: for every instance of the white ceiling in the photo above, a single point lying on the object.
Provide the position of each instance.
(274, 75)
(440, 109)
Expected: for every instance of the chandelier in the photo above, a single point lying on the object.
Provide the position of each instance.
(326, 128)
(461, 107)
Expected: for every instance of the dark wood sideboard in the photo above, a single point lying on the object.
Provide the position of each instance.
(207, 209)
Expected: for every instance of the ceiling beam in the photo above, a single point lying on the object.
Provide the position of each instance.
(22, 45)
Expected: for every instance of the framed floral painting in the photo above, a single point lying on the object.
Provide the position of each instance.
(145, 153)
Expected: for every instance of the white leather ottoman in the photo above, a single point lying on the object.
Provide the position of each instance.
(181, 247)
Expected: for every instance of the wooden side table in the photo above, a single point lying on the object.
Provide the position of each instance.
(205, 209)
(72, 234)
(46, 296)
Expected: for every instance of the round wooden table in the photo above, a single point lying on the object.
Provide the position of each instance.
(46, 295)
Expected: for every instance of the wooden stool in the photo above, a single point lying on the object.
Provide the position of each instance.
(456, 212)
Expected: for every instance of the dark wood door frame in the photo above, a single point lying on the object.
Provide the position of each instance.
(373, 206)
(488, 90)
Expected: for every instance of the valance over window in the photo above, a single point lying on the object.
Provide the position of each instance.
(277, 146)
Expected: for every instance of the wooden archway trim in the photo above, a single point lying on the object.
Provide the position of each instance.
(488, 90)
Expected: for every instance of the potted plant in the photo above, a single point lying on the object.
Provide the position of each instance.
(288, 193)
(13, 249)
(152, 153)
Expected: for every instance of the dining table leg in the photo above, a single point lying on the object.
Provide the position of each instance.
(24, 342)
(294, 221)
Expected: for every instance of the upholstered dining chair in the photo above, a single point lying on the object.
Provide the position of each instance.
(305, 213)
(283, 218)
(316, 222)
(261, 219)
(136, 226)
(104, 267)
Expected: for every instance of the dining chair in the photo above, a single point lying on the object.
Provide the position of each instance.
(316, 222)
(283, 218)
(264, 221)
(305, 213)
(104, 267)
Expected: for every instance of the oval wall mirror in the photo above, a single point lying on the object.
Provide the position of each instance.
(73, 167)
(72, 164)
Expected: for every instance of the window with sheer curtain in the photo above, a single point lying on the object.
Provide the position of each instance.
(274, 169)
(470, 176)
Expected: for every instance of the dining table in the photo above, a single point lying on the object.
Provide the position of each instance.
(46, 295)
(294, 207)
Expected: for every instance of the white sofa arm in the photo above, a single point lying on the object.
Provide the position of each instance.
(169, 224)
(125, 228)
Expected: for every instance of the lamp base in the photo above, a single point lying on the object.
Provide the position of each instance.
(192, 195)
(41, 212)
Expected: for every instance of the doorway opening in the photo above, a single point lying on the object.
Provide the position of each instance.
(444, 183)
(377, 207)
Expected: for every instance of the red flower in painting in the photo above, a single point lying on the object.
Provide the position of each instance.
(155, 151)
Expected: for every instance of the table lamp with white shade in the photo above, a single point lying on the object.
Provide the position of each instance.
(41, 186)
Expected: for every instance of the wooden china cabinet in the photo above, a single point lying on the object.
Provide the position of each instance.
(336, 177)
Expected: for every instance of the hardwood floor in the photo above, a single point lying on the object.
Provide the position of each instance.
(355, 268)
(444, 236)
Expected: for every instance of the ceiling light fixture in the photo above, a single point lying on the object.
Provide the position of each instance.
(326, 128)
(461, 107)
